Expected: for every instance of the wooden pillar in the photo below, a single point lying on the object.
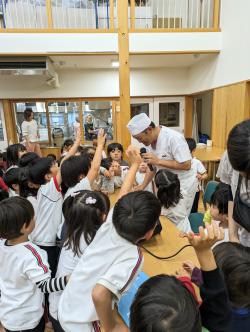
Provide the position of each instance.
(188, 116)
(10, 122)
(49, 13)
(216, 18)
(124, 71)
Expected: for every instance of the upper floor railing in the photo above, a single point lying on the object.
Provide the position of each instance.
(101, 15)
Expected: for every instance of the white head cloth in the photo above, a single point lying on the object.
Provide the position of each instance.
(138, 124)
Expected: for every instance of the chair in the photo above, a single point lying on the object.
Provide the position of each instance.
(196, 220)
(210, 189)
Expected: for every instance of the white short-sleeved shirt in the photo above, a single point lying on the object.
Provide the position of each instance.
(225, 169)
(109, 260)
(198, 166)
(84, 184)
(29, 128)
(48, 214)
(139, 178)
(172, 145)
(178, 214)
(67, 263)
(21, 301)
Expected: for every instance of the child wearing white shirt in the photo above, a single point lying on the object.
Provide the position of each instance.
(24, 270)
(111, 262)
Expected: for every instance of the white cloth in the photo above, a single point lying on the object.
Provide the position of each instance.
(172, 145)
(29, 128)
(66, 265)
(21, 301)
(109, 260)
(84, 184)
(178, 214)
(225, 169)
(138, 124)
(199, 168)
(139, 178)
(48, 214)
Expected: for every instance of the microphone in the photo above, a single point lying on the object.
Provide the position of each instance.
(142, 151)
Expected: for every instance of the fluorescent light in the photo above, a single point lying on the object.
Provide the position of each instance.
(115, 63)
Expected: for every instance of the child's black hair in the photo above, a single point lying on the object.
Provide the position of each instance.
(221, 197)
(83, 212)
(73, 167)
(169, 190)
(12, 154)
(38, 169)
(106, 163)
(3, 194)
(67, 143)
(23, 181)
(191, 144)
(52, 156)
(27, 113)
(238, 147)
(164, 304)
(112, 146)
(14, 213)
(28, 158)
(135, 214)
(234, 261)
(12, 177)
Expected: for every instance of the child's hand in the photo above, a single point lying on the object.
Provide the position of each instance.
(207, 237)
(133, 156)
(188, 266)
(182, 272)
(107, 174)
(199, 176)
(78, 136)
(101, 138)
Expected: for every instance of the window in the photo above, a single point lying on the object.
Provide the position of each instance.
(169, 114)
(96, 115)
(136, 109)
(39, 115)
(64, 120)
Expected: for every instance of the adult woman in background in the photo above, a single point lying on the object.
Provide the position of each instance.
(30, 132)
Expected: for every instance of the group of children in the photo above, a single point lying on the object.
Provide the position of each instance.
(60, 238)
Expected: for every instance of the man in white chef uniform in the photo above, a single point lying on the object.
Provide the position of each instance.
(166, 148)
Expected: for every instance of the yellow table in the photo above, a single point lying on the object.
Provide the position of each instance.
(209, 155)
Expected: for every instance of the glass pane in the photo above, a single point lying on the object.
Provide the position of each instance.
(169, 114)
(1, 128)
(139, 108)
(96, 115)
(64, 121)
(39, 115)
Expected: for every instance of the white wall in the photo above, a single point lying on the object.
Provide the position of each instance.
(233, 63)
(96, 83)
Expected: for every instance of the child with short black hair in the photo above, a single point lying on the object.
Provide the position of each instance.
(170, 195)
(67, 145)
(14, 153)
(94, 206)
(200, 171)
(114, 179)
(12, 179)
(24, 270)
(115, 152)
(112, 260)
(27, 159)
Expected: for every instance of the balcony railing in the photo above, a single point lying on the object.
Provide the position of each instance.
(174, 14)
(101, 15)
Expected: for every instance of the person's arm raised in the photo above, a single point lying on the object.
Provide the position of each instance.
(71, 152)
(135, 161)
(95, 166)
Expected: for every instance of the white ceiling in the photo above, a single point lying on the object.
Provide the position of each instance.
(136, 61)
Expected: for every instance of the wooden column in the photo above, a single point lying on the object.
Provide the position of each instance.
(10, 122)
(188, 116)
(124, 71)
(216, 18)
(49, 13)
(111, 10)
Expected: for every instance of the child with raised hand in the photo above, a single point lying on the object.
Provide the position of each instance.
(111, 262)
(78, 172)
(175, 306)
(94, 206)
(45, 175)
(24, 270)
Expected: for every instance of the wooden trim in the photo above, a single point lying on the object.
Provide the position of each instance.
(114, 120)
(48, 123)
(111, 8)
(49, 14)
(132, 15)
(10, 122)
(176, 52)
(188, 116)
(154, 30)
(216, 14)
(124, 71)
(51, 30)
(81, 113)
(58, 53)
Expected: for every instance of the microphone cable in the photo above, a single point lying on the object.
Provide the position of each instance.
(167, 257)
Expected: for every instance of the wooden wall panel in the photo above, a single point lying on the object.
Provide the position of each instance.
(230, 106)
(188, 116)
(10, 122)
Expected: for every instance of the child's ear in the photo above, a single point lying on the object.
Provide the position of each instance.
(48, 177)
(149, 234)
